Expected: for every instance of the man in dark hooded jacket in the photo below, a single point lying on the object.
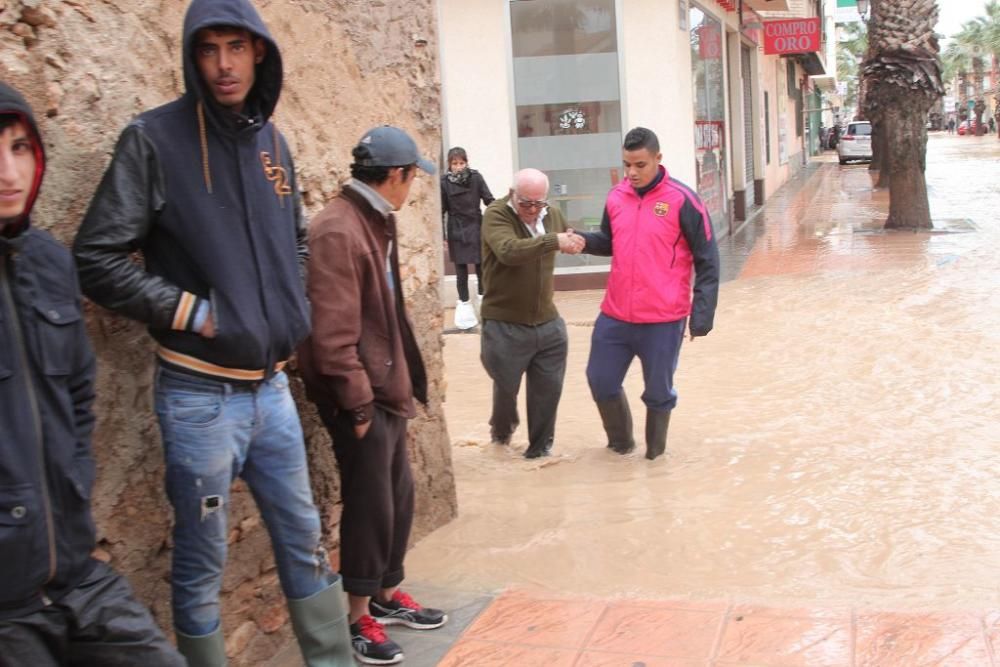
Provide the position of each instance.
(205, 188)
(57, 604)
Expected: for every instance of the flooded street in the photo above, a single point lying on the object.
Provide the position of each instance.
(835, 439)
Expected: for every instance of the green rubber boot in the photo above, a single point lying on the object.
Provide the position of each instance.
(203, 651)
(321, 626)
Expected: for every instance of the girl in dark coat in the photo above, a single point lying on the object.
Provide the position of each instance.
(462, 189)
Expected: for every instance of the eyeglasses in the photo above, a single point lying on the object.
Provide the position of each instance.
(529, 204)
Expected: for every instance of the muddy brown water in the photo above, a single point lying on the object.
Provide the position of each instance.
(836, 438)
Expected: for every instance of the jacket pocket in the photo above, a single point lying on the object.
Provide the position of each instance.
(56, 336)
(82, 475)
(76, 527)
(23, 551)
(375, 350)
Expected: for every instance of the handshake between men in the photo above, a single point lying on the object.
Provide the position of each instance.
(570, 242)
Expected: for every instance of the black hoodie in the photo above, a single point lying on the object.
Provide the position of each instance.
(46, 392)
(211, 200)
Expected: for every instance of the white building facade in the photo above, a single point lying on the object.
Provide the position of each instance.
(556, 84)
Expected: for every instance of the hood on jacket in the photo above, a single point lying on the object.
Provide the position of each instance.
(11, 102)
(263, 97)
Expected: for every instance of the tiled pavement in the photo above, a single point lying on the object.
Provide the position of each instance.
(522, 630)
(824, 219)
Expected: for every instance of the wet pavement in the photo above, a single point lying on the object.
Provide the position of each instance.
(830, 497)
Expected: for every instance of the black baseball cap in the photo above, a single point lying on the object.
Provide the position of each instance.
(389, 146)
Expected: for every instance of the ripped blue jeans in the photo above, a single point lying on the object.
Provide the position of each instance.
(213, 432)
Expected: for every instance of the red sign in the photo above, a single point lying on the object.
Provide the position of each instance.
(710, 42)
(791, 36)
(708, 134)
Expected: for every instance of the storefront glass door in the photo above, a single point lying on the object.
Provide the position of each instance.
(707, 48)
(568, 109)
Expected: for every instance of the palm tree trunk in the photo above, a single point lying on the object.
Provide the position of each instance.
(904, 74)
(980, 104)
(963, 94)
(908, 205)
(880, 154)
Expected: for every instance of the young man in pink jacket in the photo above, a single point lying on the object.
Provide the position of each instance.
(658, 234)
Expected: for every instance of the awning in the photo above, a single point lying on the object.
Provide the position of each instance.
(825, 82)
(767, 5)
(811, 63)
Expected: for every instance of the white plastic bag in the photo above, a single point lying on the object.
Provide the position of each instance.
(465, 315)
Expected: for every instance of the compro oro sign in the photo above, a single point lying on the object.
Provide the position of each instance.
(791, 36)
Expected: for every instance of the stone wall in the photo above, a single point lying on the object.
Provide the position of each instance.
(87, 66)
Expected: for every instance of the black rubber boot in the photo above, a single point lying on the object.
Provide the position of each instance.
(617, 419)
(533, 452)
(657, 424)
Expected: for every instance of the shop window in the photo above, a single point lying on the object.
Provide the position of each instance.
(568, 104)
(707, 39)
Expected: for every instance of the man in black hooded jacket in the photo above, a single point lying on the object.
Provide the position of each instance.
(205, 188)
(57, 604)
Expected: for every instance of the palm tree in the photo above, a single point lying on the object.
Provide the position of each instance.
(955, 68)
(970, 50)
(903, 71)
(979, 39)
(851, 46)
(973, 40)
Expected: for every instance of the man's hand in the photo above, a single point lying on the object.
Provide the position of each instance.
(571, 243)
(360, 430)
(208, 328)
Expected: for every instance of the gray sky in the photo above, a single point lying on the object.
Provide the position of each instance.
(953, 13)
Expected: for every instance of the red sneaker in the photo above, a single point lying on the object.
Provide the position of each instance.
(404, 610)
(371, 645)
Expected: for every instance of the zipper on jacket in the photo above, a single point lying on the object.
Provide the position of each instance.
(269, 363)
(541, 283)
(35, 414)
(636, 233)
(541, 268)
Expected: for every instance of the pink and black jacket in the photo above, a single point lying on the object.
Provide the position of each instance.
(655, 237)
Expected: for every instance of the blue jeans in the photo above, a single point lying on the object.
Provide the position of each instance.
(213, 432)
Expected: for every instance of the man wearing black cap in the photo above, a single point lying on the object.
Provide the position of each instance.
(362, 368)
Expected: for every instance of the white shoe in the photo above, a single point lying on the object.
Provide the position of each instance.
(465, 315)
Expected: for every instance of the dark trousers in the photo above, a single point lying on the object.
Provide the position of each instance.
(376, 488)
(537, 352)
(98, 623)
(613, 346)
(462, 280)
